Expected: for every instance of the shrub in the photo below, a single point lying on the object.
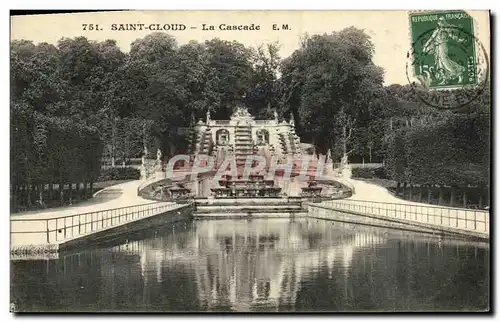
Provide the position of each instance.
(364, 173)
(127, 173)
(380, 173)
(369, 173)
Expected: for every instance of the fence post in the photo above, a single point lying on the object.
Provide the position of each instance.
(48, 239)
(441, 212)
(475, 225)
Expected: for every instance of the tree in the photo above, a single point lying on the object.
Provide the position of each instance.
(230, 70)
(263, 94)
(331, 79)
(130, 134)
(36, 76)
(47, 147)
(155, 77)
(197, 78)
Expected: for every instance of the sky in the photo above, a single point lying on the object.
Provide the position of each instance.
(389, 30)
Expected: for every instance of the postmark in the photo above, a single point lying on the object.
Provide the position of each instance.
(446, 55)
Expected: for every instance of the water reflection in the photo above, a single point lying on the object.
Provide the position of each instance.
(262, 265)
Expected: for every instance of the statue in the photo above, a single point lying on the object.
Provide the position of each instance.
(144, 156)
(345, 160)
(158, 161)
(144, 172)
(276, 116)
(292, 119)
(329, 156)
(193, 119)
(208, 116)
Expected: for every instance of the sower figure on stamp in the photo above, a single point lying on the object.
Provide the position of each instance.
(446, 68)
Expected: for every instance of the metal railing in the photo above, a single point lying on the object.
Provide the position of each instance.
(365, 165)
(56, 230)
(459, 218)
(221, 122)
(336, 165)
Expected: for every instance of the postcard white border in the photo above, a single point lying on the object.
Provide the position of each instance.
(200, 5)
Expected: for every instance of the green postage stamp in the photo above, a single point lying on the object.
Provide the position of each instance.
(443, 49)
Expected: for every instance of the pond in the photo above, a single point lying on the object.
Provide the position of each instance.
(265, 265)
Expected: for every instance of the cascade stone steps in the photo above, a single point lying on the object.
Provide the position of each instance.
(249, 201)
(245, 207)
(243, 145)
(250, 215)
(248, 208)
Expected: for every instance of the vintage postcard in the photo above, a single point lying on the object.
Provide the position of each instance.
(250, 161)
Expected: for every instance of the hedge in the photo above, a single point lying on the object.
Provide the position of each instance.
(369, 173)
(126, 173)
(49, 149)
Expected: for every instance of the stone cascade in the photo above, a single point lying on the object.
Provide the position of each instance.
(194, 140)
(206, 142)
(255, 148)
(219, 153)
(191, 135)
(294, 142)
(283, 144)
(242, 135)
(291, 144)
(251, 187)
(293, 137)
(243, 144)
(272, 150)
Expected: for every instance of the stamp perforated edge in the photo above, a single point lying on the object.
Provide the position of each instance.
(475, 34)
